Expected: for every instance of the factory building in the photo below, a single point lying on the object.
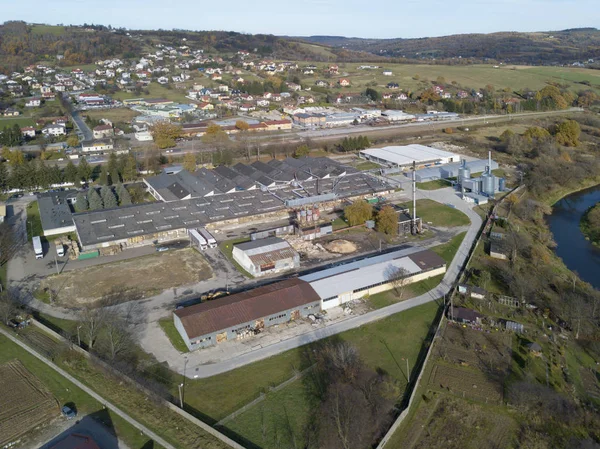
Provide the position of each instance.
(55, 212)
(451, 170)
(338, 285)
(192, 200)
(244, 314)
(404, 156)
(266, 256)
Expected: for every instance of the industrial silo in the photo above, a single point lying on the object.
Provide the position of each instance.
(501, 184)
(464, 172)
(488, 183)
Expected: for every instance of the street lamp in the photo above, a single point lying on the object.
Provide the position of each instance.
(407, 370)
(180, 395)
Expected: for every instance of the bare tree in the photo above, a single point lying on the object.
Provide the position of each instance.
(397, 277)
(92, 321)
(8, 307)
(117, 335)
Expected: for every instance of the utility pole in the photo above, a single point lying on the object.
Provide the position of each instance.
(180, 396)
(78, 337)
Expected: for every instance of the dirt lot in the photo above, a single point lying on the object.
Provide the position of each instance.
(452, 423)
(24, 402)
(128, 280)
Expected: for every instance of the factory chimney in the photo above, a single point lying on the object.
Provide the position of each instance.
(489, 162)
(414, 193)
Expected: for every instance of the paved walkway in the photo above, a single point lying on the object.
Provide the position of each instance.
(92, 393)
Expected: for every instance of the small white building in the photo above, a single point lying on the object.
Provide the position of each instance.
(54, 130)
(143, 136)
(270, 255)
(97, 145)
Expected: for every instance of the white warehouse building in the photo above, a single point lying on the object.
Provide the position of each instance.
(338, 285)
(265, 256)
(403, 156)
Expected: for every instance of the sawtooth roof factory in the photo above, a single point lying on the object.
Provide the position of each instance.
(224, 195)
(404, 156)
(243, 314)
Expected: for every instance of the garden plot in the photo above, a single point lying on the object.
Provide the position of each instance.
(25, 403)
(467, 384)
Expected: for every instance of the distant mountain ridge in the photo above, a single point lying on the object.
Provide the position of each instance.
(577, 44)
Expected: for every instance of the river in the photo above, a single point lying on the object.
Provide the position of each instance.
(577, 253)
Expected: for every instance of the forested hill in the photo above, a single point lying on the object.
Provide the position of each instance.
(530, 48)
(22, 44)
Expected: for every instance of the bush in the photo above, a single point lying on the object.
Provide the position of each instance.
(448, 130)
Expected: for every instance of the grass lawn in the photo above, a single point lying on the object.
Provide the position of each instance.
(433, 185)
(156, 91)
(383, 345)
(114, 115)
(339, 223)
(389, 297)
(48, 29)
(168, 327)
(226, 248)
(21, 121)
(448, 250)
(34, 223)
(439, 214)
(64, 391)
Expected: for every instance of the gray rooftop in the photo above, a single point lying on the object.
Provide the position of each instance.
(55, 211)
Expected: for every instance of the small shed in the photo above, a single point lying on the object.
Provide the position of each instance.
(478, 292)
(464, 315)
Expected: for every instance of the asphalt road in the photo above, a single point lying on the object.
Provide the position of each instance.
(82, 126)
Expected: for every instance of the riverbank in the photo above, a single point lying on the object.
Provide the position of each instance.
(590, 224)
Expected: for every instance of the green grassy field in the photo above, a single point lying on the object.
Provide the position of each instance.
(439, 214)
(468, 76)
(64, 391)
(383, 345)
(48, 29)
(448, 250)
(388, 298)
(156, 91)
(367, 165)
(34, 223)
(114, 115)
(166, 324)
(21, 121)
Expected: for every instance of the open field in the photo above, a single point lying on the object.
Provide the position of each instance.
(24, 402)
(448, 250)
(11, 121)
(48, 29)
(385, 299)
(64, 391)
(115, 115)
(466, 76)
(156, 91)
(456, 424)
(433, 185)
(439, 214)
(383, 345)
(129, 279)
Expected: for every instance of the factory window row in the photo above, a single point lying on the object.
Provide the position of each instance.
(370, 286)
(273, 318)
(330, 298)
(201, 340)
(240, 329)
(311, 307)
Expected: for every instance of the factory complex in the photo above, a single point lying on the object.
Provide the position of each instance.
(224, 195)
(404, 156)
(244, 314)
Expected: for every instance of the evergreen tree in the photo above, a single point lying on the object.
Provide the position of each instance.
(129, 168)
(113, 168)
(84, 170)
(56, 175)
(71, 172)
(81, 202)
(4, 177)
(94, 200)
(124, 197)
(104, 178)
(108, 197)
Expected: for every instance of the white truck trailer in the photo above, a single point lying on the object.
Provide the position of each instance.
(60, 248)
(212, 243)
(197, 240)
(37, 247)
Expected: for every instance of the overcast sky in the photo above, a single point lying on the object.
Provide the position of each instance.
(356, 18)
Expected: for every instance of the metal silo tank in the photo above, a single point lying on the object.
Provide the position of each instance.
(501, 184)
(488, 184)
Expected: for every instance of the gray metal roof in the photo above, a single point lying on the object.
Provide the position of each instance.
(263, 244)
(55, 211)
(373, 270)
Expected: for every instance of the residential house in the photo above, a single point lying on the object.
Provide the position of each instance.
(344, 82)
(10, 112)
(28, 131)
(321, 83)
(33, 103)
(102, 131)
(464, 315)
(387, 73)
(393, 86)
(97, 145)
(54, 130)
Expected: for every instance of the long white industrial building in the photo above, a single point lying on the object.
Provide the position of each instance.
(403, 156)
(338, 285)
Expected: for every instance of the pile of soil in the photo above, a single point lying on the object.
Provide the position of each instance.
(341, 247)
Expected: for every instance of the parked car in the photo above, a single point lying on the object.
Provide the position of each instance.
(160, 249)
(69, 411)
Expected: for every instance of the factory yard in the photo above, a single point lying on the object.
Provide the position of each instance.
(128, 280)
(25, 403)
